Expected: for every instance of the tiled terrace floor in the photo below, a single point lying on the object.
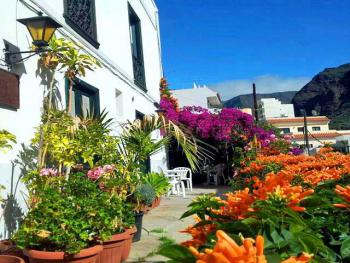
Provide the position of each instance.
(166, 217)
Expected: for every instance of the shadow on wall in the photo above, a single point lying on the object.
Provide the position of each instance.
(14, 61)
(12, 211)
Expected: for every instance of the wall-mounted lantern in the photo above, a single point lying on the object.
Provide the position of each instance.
(41, 29)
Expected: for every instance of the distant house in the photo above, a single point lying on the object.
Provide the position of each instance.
(198, 96)
(273, 108)
(318, 130)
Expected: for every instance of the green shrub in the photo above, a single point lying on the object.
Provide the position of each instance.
(144, 194)
(71, 217)
(159, 183)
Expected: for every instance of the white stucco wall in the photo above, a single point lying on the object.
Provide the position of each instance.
(116, 75)
(197, 96)
(273, 108)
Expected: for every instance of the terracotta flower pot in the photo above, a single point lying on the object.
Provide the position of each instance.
(7, 247)
(127, 243)
(113, 249)
(88, 255)
(10, 259)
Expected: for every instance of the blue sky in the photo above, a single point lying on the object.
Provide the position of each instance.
(227, 44)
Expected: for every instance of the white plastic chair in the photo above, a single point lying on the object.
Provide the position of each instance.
(177, 185)
(218, 171)
(185, 175)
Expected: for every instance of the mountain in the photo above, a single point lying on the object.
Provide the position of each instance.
(328, 93)
(246, 101)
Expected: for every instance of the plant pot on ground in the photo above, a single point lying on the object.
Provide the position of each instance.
(10, 259)
(113, 248)
(8, 248)
(144, 196)
(87, 255)
(159, 183)
(127, 244)
(138, 224)
(70, 218)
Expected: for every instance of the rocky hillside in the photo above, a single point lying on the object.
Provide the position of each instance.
(328, 93)
(246, 101)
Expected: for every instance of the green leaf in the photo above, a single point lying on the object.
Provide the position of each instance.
(345, 248)
(177, 253)
(273, 258)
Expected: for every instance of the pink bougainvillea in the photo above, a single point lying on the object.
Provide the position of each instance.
(225, 126)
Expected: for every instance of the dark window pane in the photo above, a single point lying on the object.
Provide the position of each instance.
(85, 99)
(285, 130)
(136, 49)
(300, 129)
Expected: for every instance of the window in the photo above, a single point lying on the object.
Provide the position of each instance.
(301, 129)
(81, 16)
(139, 115)
(317, 128)
(285, 130)
(85, 99)
(136, 49)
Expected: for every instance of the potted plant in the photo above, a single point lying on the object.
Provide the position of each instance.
(143, 196)
(159, 183)
(110, 181)
(68, 222)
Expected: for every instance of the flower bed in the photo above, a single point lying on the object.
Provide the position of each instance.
(298, 204)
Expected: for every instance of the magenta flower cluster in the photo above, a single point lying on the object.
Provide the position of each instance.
(97, 172)
(224, 126)
(49, 172)
(296, 151)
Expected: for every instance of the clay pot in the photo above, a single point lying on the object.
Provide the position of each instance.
(127, 243)
(10, 259)
(7, 247)
(158, 200)
(88, 255)
(113, 249)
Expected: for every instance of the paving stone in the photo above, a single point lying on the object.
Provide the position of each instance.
(166, 217)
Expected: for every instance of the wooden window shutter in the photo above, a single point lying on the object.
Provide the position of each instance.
(9, 90)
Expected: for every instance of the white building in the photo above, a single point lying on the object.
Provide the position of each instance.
(318, 130)
(273, 108)
(122, 34)
(198, 96)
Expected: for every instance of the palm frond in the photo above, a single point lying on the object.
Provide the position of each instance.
(138, 137)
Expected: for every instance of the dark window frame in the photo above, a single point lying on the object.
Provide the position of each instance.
(137, 61)
(301, 129)
(92, 39)
(316, 128)
(283, 130)
(82, 88)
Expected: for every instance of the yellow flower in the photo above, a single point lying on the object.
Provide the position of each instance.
(43, 233)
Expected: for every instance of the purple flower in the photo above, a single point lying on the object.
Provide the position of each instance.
(296, 151)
